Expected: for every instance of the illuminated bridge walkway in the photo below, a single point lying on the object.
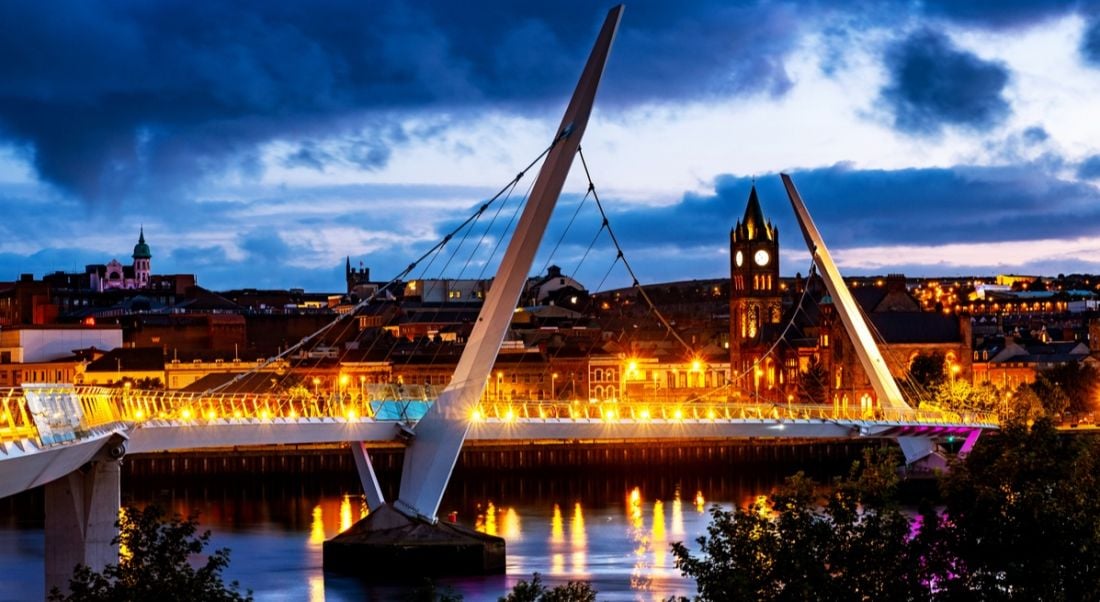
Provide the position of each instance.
(47, 431)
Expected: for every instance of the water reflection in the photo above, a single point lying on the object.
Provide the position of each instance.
(317, 527)
(316, 588)
(510, 529)
(578, 538)
(618, 536)
(557, 529)
(639, 576)
(677, 515)
(345, 513)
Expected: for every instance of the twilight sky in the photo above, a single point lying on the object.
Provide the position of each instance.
(259, 143)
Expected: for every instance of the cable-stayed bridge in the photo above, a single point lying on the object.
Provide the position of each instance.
(49, 431)
(70, 439)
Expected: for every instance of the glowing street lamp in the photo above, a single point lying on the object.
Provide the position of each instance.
(553, 380)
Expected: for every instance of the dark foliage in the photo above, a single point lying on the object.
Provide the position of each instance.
(851, 544)
(1019, 521)
(535, 591)
(155, 564)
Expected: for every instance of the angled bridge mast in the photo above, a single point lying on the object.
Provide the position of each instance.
(886, 388)
(438, 437)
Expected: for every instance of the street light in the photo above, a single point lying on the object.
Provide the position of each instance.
(553, 380)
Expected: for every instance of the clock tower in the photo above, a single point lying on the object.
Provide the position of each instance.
(755, 298)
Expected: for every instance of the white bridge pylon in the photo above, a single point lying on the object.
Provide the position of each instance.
(886, 388)
(438, 437)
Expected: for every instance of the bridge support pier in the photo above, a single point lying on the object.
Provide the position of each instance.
(81, 511)
(921, 452)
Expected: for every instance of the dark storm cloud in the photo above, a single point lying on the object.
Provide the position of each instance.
(858, 208)
(1090, 43)
(1089, 169)
(1000, 14)
(138, 98)
(934, 84)
(1035, 135)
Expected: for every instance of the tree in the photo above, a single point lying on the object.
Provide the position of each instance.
(812, 384)
(1020, 517)
(926, 369)
(535, 591)
(960, 395)
(795, 546)
(1023, 406)
(1070, 387)
(155, 564)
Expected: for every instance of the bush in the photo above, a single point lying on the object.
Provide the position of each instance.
(155, 564)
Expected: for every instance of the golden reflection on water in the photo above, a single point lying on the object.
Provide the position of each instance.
(634, 508)
(579, 541)
(557, 527)
(317, 527)
(700, 502)
(487, 522)
(345, 513)
(316, 588)
(510, 528)
(557, 563)
(639, 577)
(659, 541)
(658, 521)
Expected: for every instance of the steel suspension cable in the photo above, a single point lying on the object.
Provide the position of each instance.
(384, 288)
(630, 270)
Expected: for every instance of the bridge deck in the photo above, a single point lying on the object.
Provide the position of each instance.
(37, 424)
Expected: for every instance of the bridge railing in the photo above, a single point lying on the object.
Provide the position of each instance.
(409, 402)
(53, 413)
(137, 405)
(16, 422)
(640, 411)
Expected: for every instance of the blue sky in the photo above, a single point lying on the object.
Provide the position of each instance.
(259, 143)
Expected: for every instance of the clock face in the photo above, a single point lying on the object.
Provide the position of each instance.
(739, 258)
(761, 257)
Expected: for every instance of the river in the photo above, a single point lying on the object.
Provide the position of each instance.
(611, 528)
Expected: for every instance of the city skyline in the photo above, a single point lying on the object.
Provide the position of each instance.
(259, 146)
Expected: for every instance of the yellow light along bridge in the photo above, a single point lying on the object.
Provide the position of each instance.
(36, 418)
(101, 406)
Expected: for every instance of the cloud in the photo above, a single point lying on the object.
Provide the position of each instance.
(933, 84)
(999, 15)
(857, 208)
(1035, 135)
(1090, 43)
(1089, 169)
(128, 99)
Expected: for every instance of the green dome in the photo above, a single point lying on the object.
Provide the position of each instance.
(141, 250)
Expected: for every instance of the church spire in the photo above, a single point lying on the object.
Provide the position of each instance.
(756, 227)
(141, 250)
(753, 226)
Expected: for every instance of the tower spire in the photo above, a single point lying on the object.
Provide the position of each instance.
(754, 224)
